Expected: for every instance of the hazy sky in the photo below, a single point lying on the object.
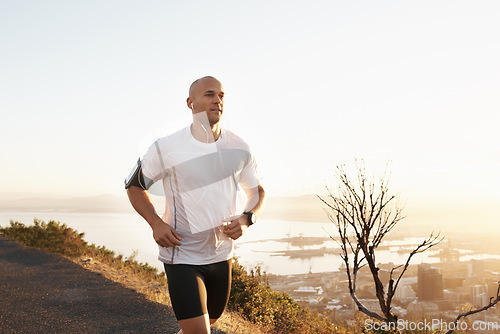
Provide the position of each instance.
(85, 86)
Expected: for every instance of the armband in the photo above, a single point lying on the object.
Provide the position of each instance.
(136, 178)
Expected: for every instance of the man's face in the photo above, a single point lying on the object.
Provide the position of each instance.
(208, 96)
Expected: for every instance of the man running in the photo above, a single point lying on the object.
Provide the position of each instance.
(201, 167)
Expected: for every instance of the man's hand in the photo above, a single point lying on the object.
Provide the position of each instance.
(237, 226)
(165, 235)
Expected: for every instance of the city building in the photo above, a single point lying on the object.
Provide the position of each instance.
(430, 283)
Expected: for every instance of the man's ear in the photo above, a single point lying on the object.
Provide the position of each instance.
(189, 103)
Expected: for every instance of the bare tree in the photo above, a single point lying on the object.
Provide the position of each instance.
(364, 212)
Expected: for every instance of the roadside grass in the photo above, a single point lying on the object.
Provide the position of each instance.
(58, 238)
(253, 306)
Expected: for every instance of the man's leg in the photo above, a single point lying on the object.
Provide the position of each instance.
(218, 287)
(199, 294)
(195, 325)
(189, 297)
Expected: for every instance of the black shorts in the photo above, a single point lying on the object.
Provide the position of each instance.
(199, 289)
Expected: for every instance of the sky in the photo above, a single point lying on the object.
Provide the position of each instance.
(86, 86)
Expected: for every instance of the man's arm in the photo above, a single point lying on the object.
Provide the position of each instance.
(255, 203)
(164, 234)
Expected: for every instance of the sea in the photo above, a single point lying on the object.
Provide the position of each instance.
(280, 247)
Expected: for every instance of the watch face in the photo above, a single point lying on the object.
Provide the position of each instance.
(251, 217)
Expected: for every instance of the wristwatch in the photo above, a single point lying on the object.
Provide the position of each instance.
(251, 217)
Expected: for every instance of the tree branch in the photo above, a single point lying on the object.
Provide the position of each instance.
(431, 241)
(492, 303)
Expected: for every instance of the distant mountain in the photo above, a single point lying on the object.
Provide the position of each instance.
(420, 216)
(101, 203)
(301, 208)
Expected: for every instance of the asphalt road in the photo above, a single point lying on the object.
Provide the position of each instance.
(46, 293)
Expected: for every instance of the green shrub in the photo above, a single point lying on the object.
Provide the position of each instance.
(52, 236)
(277, 312)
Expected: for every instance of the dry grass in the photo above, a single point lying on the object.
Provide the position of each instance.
(60, 239)
(230, 322)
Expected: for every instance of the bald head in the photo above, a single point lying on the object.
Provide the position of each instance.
(206, 95)
(194, 86)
